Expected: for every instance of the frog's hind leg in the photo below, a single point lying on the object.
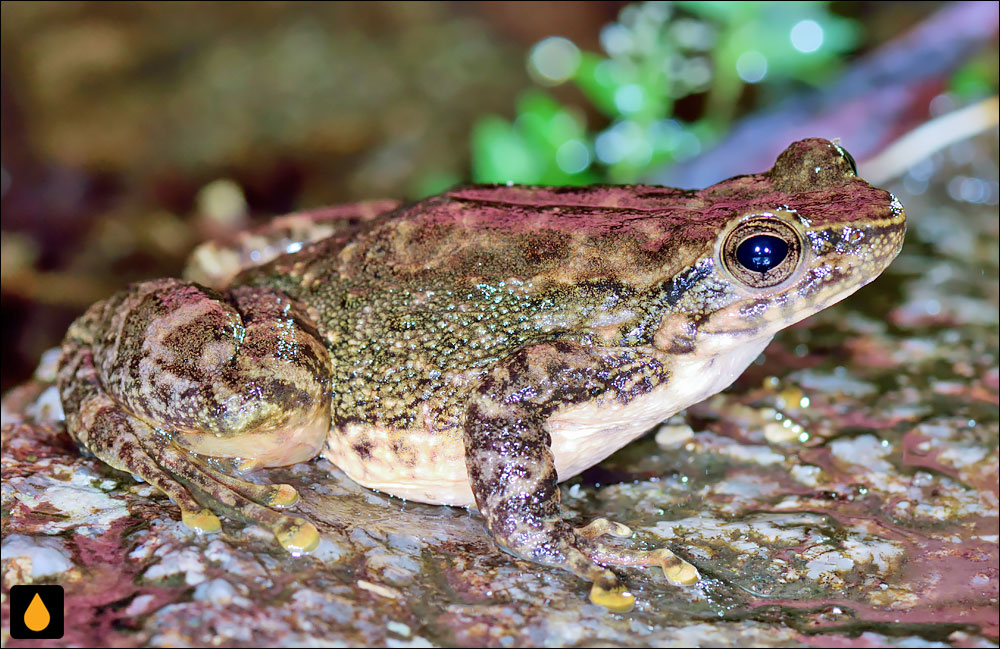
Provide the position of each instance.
(513, 476)
(115, 436)
(166, 372)
(216, 263)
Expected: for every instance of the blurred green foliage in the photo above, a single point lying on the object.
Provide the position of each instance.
(976, 79)
(656, 54)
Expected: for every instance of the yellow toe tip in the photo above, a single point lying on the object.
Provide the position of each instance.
(616, 600)
(245, 466)
(681, 574)
(621, 531)
(202, 521)
(283, 495)
(299, 538)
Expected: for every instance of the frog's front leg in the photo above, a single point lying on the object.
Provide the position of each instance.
(165, 374)
(513, 475)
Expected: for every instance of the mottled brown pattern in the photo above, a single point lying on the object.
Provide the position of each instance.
(215, 263)
(182, 356)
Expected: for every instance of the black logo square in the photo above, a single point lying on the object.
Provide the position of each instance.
(36, 612)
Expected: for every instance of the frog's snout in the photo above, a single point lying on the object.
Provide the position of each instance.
(869, 249)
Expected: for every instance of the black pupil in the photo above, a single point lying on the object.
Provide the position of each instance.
(761, 253)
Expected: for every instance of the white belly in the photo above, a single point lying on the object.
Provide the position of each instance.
(415, 465)
(585, 434)
(430, 467)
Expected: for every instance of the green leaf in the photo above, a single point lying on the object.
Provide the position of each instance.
(432, 182)
(599, 78)
(726, 13)
(975, 79)
(500, 155)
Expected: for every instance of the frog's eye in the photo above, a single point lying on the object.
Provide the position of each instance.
(762, 252)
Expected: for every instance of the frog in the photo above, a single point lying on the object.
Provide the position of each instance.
(472, 349)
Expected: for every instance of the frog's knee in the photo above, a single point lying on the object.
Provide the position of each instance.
(238, 375)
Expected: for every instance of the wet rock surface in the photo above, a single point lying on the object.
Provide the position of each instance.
(844, 492)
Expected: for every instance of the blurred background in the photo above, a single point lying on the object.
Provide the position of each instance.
(133, 131)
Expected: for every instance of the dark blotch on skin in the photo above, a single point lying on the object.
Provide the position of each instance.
(363, 449)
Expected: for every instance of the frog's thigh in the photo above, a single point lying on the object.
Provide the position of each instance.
(513, 476)
(215, 263)
(168, 367)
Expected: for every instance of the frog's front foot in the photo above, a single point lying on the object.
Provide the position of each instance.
(513, 475)
(166, 374)
(677, 571)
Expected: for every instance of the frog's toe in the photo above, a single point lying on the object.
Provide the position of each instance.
(139, 462)
(601, 526)
(295, 534)
(607, 590)
(616, 599)
(128, 444)
(202, 521)
(139, 450)
(283, 495)
(272, 495)
(677, 571)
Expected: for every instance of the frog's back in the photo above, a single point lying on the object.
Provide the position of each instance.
(634, 234)
(566, 235)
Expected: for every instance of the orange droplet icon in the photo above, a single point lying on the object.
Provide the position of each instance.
(36, 617)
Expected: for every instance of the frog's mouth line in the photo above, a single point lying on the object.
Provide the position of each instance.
(762, 317)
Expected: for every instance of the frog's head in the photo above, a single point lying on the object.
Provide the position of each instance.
(790, 242)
